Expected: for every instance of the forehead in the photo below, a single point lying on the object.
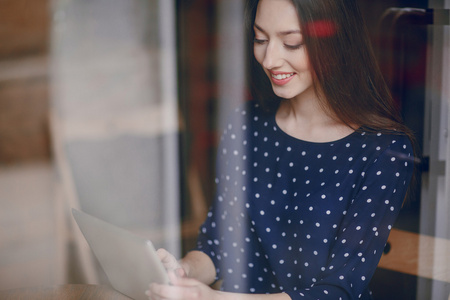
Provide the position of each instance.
(277, 15)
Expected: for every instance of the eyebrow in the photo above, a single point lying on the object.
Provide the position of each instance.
(287, 32)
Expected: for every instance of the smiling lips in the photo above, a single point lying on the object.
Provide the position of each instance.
(281, 78)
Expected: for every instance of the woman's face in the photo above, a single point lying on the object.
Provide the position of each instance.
(278, 47)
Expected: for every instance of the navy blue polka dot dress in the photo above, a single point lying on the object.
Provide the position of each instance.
(308, 219)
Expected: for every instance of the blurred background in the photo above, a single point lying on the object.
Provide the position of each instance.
(115, 107)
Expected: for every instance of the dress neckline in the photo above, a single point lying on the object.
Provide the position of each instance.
(342, 139)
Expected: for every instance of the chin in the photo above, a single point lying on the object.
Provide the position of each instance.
(283, 94)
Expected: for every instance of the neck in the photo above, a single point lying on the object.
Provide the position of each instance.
(306, 119)
(305, 110)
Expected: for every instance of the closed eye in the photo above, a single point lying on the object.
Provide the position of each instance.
(293, 47)
(259, 41)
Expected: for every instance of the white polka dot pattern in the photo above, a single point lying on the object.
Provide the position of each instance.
(308, 219)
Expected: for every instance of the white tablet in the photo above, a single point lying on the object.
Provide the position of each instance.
(129, 261)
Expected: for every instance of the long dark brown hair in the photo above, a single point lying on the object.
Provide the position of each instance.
(346, 71)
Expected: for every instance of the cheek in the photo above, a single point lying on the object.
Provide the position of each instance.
(301, 61)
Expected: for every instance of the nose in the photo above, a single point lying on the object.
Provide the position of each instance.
(272, 57)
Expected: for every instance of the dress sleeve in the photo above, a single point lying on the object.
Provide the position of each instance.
(365, 228)
(225, 222)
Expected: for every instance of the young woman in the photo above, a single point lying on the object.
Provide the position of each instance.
(311, 175)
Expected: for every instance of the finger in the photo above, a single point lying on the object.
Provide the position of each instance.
(168, 260)
(159, 291)
(180, 272)
(163, 254)
(183, 281)
(151, 296)
(172, 277)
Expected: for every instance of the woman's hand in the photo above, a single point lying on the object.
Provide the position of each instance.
(181, 288)
(189, 278)
(170, 263)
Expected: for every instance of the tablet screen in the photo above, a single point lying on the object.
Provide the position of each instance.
(130, 262)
